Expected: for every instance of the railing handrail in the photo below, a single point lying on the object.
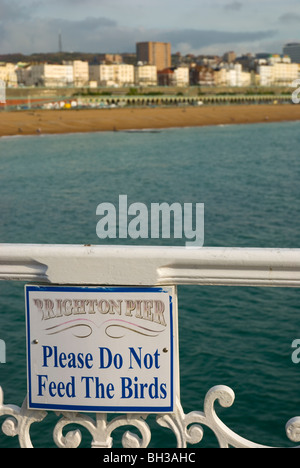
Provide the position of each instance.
(150, 265)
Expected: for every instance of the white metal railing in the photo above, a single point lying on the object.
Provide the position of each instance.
(144, 266)
(99, 265)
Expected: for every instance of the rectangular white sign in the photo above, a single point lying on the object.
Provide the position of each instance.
(102, 349)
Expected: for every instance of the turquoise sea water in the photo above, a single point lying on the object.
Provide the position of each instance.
(248, 179)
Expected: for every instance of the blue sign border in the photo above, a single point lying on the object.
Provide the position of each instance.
(101, 409)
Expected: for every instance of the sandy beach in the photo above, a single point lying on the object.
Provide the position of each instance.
(95, 120)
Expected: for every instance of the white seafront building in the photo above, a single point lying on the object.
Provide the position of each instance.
(174, 76)
(80, 72)
(278, 72)
(145, 75)
(112, 75)
(8, 74)
(237, 77)
(232, 76)
(69, 73)
(182, 76)
(50, 76)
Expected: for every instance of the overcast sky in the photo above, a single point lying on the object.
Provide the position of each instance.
(192, 26)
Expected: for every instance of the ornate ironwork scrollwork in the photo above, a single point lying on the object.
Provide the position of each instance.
(188, 428)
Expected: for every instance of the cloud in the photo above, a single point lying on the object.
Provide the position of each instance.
(233, 6)
(22, 33)
(198, 38)
(10, 10)
(41, 35)
(78, 2)
(289, 18)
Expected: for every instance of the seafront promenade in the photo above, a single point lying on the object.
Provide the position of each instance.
(23, 98)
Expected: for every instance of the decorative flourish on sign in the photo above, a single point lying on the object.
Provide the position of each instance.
(119, 326)
(70, 325)
(116, 329)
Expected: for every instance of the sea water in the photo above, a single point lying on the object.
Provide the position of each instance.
(248, 179)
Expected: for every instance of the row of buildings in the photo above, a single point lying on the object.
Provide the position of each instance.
(81, 74)
(154, 67)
